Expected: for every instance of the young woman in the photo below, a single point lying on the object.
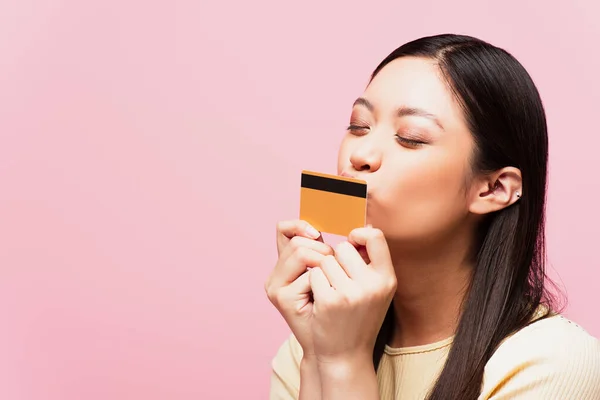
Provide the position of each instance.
(443, 296)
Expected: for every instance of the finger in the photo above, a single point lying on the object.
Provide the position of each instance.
(349, 259)
(289, 269)
(292, 228)
(362, 250)
(287, 230)
(334, 273)
(301, 285)
(320, 285)
(299, 241)
(376, 245)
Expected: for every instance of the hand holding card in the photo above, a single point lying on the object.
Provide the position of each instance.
(333, 204)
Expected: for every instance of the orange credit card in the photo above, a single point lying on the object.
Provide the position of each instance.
(331, 203)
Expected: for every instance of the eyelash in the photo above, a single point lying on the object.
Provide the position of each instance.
(356, 128)
(409, 142)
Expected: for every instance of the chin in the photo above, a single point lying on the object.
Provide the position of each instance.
(384, 223)
(376, 215)
(375, 222)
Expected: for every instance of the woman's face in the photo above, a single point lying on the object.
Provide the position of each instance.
(408, 139)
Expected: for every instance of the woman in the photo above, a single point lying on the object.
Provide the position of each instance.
(443, 296)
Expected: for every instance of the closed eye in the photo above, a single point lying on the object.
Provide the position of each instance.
(409, 142)
(357, 129)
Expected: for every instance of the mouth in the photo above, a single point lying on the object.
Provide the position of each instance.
(347, 175)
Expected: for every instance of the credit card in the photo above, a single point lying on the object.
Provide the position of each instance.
(331, 203)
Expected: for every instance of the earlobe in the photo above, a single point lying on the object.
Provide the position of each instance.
(496, 191)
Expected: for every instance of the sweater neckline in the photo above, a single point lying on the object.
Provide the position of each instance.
(395, 351)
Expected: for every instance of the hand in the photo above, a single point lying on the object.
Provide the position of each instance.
(299, 246)
(351, 297)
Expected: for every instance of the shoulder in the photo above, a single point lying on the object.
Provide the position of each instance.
(550, 357)
(285, 370)
(552, 339)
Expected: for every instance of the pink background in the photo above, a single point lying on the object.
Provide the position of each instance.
(148, 149)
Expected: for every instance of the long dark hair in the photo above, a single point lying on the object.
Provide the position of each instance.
(506, 117)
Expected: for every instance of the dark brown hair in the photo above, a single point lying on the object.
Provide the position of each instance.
(507, 120)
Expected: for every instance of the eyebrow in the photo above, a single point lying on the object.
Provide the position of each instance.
(402, 111)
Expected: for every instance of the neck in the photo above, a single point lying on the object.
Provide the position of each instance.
(431, 289)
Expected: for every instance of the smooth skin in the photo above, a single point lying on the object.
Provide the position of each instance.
(409, 140)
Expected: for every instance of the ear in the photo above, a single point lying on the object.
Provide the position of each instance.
(496, 191)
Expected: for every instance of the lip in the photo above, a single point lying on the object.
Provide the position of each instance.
(347, 175)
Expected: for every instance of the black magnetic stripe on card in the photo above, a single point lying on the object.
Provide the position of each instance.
(334, 185)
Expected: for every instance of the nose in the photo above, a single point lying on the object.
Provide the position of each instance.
(366, 156)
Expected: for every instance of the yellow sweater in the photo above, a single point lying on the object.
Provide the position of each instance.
(550, 359)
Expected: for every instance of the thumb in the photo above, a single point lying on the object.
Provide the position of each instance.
(376, 246)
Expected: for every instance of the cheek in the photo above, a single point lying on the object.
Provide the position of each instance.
(420, 196)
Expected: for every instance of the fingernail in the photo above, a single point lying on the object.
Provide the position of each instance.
(312, 232)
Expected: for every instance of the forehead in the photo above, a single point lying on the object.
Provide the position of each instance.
(413, 82)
